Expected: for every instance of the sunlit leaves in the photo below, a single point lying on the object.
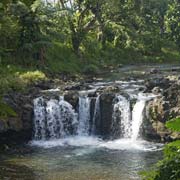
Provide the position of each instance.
(174, 124)
(172, 21)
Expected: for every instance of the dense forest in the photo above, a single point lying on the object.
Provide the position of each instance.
(81, 35)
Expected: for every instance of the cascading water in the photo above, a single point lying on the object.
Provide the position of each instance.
(122, 117)
(61, 123)
(96, 114)
(54, 127)
(84, 115)
(53, 119)
(130, 122)
(137, 118)
(39, 118)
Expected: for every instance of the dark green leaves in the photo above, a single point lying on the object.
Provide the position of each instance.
(6, 111)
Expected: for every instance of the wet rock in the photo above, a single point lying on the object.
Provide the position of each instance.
(156, 90)
(3, 125)
(72, 97)
(44, 85)
(109, 89)
(172, 94)
(77, 87)
(158, 112)
(103, 125)
(160, 82)
(154, 71)
(153, 127)
(13, 127)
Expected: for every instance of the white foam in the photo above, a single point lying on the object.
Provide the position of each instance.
(77, 141)
(94, 142)
(129, 144)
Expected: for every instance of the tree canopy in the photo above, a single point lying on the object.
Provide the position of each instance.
(43, 33)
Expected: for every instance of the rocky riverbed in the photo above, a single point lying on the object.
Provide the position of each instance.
(164, 83)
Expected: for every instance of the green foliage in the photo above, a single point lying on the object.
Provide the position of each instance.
(14, 78)
(172, 21)
(174, 124)
(65, 36)
(60, 58)
(6, 111)
(32, 76)
(17, 78)
(90, 69)
(169, 167)
(9, 80)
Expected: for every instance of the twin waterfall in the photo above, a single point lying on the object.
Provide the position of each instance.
(57, 118)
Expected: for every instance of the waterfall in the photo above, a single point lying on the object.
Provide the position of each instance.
(137, 116)
(54, 126)
(56, 118)
(39, 118)
(121, 117)
(96, 114)
(53, 119)
(84, 115)
(129, 121)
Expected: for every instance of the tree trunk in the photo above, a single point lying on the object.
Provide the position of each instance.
(42, 56)
(76, 42)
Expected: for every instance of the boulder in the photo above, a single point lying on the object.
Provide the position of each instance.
(158, 112)
(156, 90)
(161, 82)
(19, 128)
(72, 97)
(154, 71)
(109, 89)
(103, 125)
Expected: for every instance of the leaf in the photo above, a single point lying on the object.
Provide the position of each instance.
(6, 111)
(174, 124)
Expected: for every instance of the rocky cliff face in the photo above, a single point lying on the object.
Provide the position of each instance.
(158, 111)
(17, 129)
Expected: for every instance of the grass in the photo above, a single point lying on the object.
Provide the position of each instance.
(17, 78)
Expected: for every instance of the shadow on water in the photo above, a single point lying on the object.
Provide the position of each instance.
(10, 171)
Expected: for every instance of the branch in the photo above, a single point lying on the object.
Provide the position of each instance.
(88, 26)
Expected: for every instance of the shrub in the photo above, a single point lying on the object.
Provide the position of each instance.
(32, 76)
(90, 69)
